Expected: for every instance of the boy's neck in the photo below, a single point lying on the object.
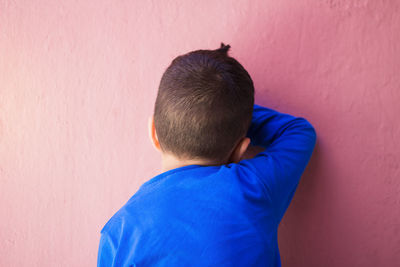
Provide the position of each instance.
(170, 162)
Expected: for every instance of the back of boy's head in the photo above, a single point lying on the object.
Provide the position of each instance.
(204, 105)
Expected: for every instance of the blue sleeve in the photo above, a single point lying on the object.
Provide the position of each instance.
(107, 251)
(110, 252)
(289, 143)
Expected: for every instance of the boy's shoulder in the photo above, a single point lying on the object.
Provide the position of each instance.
(161, 191)
(127, 214)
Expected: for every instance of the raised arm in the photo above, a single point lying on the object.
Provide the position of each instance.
(288, 142)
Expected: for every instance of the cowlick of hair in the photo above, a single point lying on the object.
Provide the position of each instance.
(224, 48)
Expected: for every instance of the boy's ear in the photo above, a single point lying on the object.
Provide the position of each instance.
(240, 149)
(153, 135)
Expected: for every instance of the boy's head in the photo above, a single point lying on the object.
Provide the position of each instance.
(204, 105)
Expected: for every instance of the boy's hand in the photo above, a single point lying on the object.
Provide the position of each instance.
(252, 151)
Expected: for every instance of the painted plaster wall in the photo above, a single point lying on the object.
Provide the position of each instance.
(78, 80)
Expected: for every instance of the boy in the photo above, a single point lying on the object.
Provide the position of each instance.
(219, 199)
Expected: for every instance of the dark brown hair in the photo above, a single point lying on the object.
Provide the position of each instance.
(204, 105)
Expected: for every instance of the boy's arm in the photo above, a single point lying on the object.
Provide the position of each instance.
(106, 252)
(288, 142)
(111, 252)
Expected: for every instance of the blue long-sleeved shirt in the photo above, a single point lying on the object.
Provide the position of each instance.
(215, 215)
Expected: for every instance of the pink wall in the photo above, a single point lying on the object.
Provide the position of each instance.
(78, 80)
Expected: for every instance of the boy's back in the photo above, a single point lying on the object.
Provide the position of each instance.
(194, 216)
(225, 215)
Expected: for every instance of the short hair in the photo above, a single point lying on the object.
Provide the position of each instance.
(204, 105)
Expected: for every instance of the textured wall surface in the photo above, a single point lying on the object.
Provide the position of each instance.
(78, 80)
